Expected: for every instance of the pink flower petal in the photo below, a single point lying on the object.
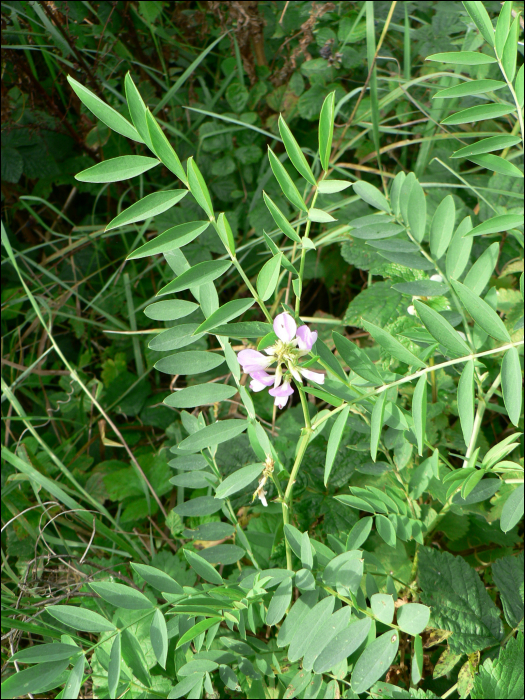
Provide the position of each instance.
(313, 376)
(253, 361)
(262, 377)
(305, 338)
(280, 401)
(284, 390)
(284, 327)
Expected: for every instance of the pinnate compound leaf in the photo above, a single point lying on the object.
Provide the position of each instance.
(203, 568)
(466, 400)
(175, 237)
(392, 345)
(158, 633)
(508, 576)
(413, 618)
(441, 330)
(34, 679)
(334, 440)
(375, 661)
(502, 678)
(511, 383)
(43, 653)
(133, 655)
(482, 313)
(512, 511)
(198, 187)
(238, 480)
(459, 601)
(200, 395)
(117, 169)
(158, 579)
(295, 153)
(80, 619)
(462, 58)
(114, 666)
(342, 645)
(279, 603)
(149, 206)
(371, 195)
(121, 596)
(109, 116)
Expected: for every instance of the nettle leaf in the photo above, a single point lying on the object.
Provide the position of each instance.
(175, 237)
(117, 169)
(147, 207)
(459, 601)
(121, 596)
(109, 116)
(375, 661)
(502, 677)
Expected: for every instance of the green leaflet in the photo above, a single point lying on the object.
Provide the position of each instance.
(225, 313)
(511, 384)
(280, 219)
(371, 195)
(479, 274)
(502, 222)
(34, 679)
(170, 310)
(413, 618)
(462, 58)
(279, 603)
(196, 276)
(471, 87)
(268, 277)
(293, 620)
(133, 655)
(357, 359)
(493, 143)
(512, 511)
(392, 345)
(342, 645)
(202, 505)
(238, 480)
(74, 681)
(478, 113)
(200, 395)
(137, 110)
(203, 568)
(442, 227)
(214, 434)
(198, 187)
(441, 330)
(114, 666)
(481, 19)
(163, 150)
(375, 661)
(417, 211)
(376, 425)
(159, 637)
(510, 50)
(482, 313)
(191, 362)
(458, 253)
(306, 631)
(459, 601)
(383, 607)
(359, 533)
(419, 411)
(502, 27)
(117, 169)
(43, 653)
(175, 237)
(80, 618)
(121, 596)
(336, 623)
(334, 440)
(466, 400)
(158, 579)
(149, 206)
(286, 183)
(175, 337)
(295, 153)
(326, 130)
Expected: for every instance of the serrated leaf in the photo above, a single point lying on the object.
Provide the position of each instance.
(413, 618)
(462, 58)
(203, 568)
(371, 195)
(442, 227)
(508, 576)
(80, 619)
(419, 412)
(286, 183)
(343, 645)
(280, 602)
(175, 237)
(147, 207)
(198, 187)
(466, 401)
(502, 678)
(511, 384)
(459, 601)
(117, 169)
(493, 143)
(295, 153)
(121, 596)
(512, 511)
(158, 633)
(375, 661)
(441, 330)
(280, 219)
(326, 129)
(214, 434)
(109, 116)
(392, 345)
(482, 313)
(479, 113)
(191, 362)
(163, 149)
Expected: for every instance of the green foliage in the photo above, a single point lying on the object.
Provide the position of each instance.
(282, 175)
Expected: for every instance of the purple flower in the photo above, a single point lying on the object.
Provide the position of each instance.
(292, 344)
(281, 394)
(306, 338)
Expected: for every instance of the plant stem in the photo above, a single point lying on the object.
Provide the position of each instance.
(287, 500)
(482, 406)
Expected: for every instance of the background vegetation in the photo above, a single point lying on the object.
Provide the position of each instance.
(217, 75)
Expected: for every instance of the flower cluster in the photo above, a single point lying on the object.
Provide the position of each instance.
(292, 344)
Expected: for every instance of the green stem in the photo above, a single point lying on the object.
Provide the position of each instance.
(482, 406)
(287, 499)
(304, 405)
